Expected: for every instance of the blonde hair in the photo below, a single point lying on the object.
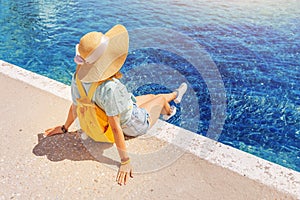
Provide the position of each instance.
(117, 75)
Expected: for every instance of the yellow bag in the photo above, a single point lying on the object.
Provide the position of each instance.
(93, 120)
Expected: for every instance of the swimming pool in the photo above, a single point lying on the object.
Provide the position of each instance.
(255, 46)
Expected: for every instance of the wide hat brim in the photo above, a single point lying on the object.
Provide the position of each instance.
(111, 61)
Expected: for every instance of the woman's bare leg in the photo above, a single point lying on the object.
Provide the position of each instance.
(158, 104)
(155, 107)
(170, 96)
(148, 97)
(143, 99)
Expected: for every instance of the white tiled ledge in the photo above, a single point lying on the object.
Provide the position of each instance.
(247, 165)
(59, 89)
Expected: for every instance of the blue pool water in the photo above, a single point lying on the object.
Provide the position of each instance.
(254, 45)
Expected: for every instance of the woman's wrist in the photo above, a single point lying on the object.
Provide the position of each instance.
(125, 161)
(64, 129)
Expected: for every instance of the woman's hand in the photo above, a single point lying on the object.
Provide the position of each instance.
(124, 172)
(53, 131)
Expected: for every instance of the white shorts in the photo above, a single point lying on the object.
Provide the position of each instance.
(138, 123)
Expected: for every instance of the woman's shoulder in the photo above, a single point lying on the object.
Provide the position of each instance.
(112, 84)
(111, 89)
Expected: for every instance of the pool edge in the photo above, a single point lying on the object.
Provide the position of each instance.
(250, 166)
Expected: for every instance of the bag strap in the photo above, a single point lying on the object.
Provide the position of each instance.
(81, 90)
(92, 89)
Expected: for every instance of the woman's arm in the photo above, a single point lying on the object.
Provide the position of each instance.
(70, 119)
(125, 168)
(72, 115)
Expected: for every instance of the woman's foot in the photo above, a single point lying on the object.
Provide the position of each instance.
(180, 92)
(173, 112)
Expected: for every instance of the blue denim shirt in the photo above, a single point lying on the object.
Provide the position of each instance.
(111, 96)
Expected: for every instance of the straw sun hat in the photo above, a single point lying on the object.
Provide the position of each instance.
(100, 56)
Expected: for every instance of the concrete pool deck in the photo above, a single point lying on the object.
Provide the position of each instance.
(171, 163)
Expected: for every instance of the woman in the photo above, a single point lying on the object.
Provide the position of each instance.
(99, 57)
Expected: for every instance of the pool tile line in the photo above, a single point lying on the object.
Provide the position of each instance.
(245, 164)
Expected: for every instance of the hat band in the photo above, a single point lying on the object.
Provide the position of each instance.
(95, 55)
